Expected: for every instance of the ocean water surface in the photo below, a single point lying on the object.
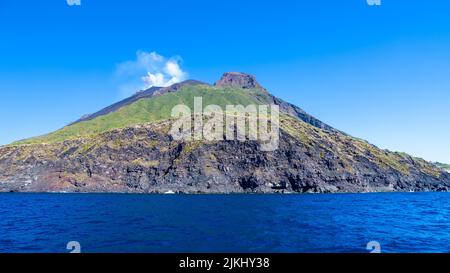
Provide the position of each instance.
(400, 222)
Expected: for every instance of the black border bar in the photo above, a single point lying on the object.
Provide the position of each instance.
(277, 262)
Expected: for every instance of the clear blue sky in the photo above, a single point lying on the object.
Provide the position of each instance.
(379, 73)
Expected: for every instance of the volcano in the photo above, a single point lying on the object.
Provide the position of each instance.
(127, 148)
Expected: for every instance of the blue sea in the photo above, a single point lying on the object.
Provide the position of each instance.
(341, 223)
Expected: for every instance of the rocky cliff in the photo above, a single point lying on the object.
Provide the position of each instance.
(129, 149)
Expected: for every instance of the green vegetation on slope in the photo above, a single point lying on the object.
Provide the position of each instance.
(351, 149)
(153, 109)
(443, 166)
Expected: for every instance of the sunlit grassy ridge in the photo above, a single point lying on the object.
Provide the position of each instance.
(151, 110)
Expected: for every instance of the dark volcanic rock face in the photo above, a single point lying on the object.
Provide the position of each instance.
(145, 159)
(236, 79)
(312, 157)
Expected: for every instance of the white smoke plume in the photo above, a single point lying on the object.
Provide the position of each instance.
(150, 69)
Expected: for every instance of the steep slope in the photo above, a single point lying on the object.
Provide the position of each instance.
(245, 81)
(156, 103)
(148, 93)
(443, 166)
(130, 150)
(116, 106)
(155, 108)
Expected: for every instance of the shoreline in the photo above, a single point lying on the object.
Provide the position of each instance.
(219, 194)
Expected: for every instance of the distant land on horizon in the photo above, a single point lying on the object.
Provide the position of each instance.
(443, 166)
